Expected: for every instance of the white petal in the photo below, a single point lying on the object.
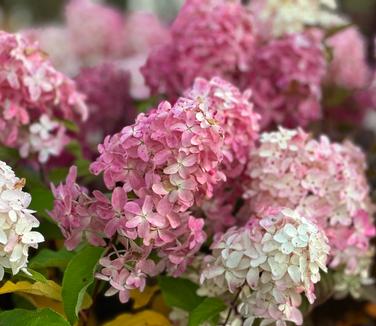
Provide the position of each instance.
(32, 237)
(290, 230)
(294, 273)
(17, 253)
(233, 259)
(253, 277)
(287, 248)
(3, 237)
(280, 237)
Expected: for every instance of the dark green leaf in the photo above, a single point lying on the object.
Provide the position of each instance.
(207, 310)
(49, 229)
(58, 175)
(77, 278)
(179, 292)
(40, 317)
(74, 148)
(81, 162)
(42, 198)
(9, 155)
(49, 258)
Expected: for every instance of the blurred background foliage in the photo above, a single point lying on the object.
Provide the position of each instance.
(26, 12)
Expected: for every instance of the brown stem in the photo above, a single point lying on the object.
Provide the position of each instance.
(232, 306)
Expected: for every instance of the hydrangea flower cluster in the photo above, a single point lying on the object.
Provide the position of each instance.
(106, 88)
(17, 222)
(234, 113)
(343, 72)
(217, 38)
(270, 262)
(139, 39)
(286, 78)
(293, 16)
(171, 160)
(349, 80)
(34, 99)
(97, 28)
(208, 39)
(323, 181)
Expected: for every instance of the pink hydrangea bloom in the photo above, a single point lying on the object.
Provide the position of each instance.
(209, 38)
(235, 114)
(220, 210)
(324, 181)
(33, 96)
(143, 31)
(107, 94)
(72, 212)
(285, 79)
(349, 67)
(159, 170)
(270, 261)
(239, 123)
(349, 81)
(95, 30)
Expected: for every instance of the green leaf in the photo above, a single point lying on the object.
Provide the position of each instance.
(71, 126)
(207, 310)
(49, 258)
(34, 276)
(146, 105)
(74, 147)
(179, 292)
(49, 229)
(42, 200)
(9, 155)
(77, 278)
(58, 175)
(83, 166)
(40, 317)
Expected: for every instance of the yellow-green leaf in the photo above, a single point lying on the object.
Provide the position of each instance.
(48, 289)
(144, 318)
(141, 299)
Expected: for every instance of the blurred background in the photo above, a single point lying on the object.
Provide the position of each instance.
(22, 13)
(19, 14)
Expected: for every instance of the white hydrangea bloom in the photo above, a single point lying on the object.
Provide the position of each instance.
(46, 137)
(16, 223)
(291, 16)
(324, 182)
(272, 260)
